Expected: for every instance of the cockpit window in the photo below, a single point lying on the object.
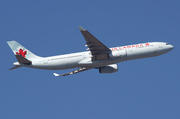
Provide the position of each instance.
(167, 44)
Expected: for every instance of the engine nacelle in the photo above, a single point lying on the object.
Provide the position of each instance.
(117, 54)
(108, 69)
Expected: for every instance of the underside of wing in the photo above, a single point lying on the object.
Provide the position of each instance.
(98, 50)
(72, 72)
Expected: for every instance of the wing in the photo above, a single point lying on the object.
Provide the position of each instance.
(98, 50)
(73, 72)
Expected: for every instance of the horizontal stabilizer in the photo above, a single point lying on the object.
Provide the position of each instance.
(15, 67)
(22, 60)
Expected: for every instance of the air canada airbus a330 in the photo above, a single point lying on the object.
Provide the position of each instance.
(99, 56)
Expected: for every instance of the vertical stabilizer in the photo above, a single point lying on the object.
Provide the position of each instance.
(18, 49)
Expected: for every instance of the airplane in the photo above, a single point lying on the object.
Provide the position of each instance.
(99, 56)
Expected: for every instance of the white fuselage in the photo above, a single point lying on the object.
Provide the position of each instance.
(118, 54)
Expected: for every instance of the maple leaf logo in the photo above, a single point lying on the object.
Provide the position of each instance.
(21, 52)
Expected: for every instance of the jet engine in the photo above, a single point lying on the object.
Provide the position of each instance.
(108, 69)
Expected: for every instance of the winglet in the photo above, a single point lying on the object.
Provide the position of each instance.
(55, 74)
(81, 28)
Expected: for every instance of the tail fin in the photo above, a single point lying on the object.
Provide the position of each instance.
(18, 49)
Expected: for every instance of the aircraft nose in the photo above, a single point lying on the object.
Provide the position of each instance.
(171, 47)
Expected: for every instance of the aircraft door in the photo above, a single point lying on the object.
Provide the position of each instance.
(45, 61)
(84, 55)
(160, 45)
(130, 49)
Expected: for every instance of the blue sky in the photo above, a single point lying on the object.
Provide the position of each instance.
(141, 89)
